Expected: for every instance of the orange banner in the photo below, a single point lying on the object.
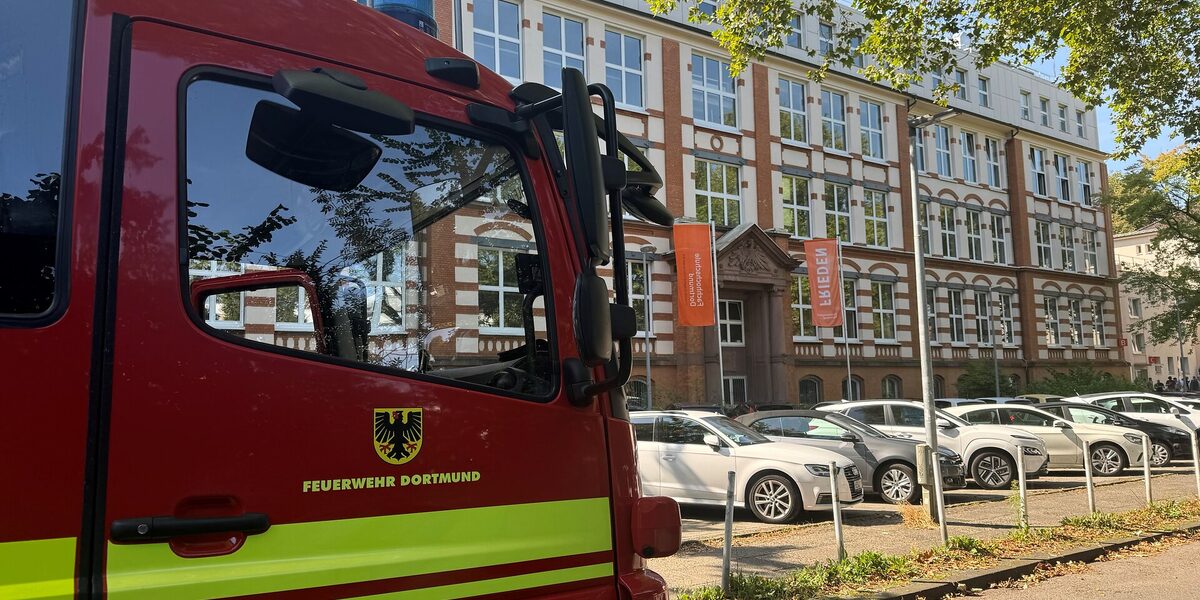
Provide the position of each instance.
(693, 263)
(825, 281)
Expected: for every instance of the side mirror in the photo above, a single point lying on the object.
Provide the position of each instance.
(592, 320)
(289, 143)
(202, 289)
(583, 164)
(657, 529)
(1061, 424)
(1175, 411)
(851, 437)
(712, 441)
(944, 424)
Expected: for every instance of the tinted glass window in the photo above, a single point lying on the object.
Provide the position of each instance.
(982, 417)
(416, 269)
(908, 416)
(734, 430)
(1014, 416)
(809, 427)
(1148, 405)
(1111, 404)
(35, 70)
(871, 415)
(1087, 415)
(767, 426)
(643, 429)
(1054, 410)
(677, 430)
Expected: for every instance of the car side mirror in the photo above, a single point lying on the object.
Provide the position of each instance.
(712, 441)
(944, 424)
(851, 437)
(1061, 424)
(1175, 411)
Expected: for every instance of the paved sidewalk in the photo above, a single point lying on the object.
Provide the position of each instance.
(773, 550)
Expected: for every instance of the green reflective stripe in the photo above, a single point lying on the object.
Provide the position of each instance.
(503, 584)
(38, 569)
(304, 555)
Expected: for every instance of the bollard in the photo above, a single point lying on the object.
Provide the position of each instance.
(728, 549)
(1087, 473)
(1146, 468)
(1024, 510)
(936, 461)
(1195, 459)
(837, 510)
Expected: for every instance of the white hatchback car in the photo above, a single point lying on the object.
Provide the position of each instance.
(1113, 448)
(1144, 406)
(989, 451)
(687, 455)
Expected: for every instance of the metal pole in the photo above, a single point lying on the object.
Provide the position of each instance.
(837, 510)
(846, 324)
(995, 344)
(941, 500)
(650, 324)
(727, 550)
(1087, 474)
(1146, 467)
(712, 231)
(1195, 458)
(1023, 515)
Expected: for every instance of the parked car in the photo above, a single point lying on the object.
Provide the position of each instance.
(1004, 400)
(1113, 448)
(687, 454)
(1040, 398)
(948, 402)
(990, 452)
(1167, 442)
(1145, 406)
(887, 464)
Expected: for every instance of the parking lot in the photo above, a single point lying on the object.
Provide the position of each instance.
(874, 525)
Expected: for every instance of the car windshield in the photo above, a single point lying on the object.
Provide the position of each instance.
(855, 425)
(735, 431)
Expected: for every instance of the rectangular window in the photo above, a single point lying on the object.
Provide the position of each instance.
(941, 149)
(223, 311)
(992, 153)
(1037, 170)
(714, 95)
(1080, 129)
(1075, 322)
(497, 37)
(708, 7)
(1062, 118)
(562, 46)
(623, 70)
(967, 141)
(918, 136)
(960, 81)
(957, 329)
(833, 120)
(857, 59)
(732, 323)
(875, 210)
(1084, 176)
(35, 82)
(825, 31)
(1051, 308)
(983, 318)
(802, 315)
(926, 216)
(1062, 172)
(795, 38)
(985, 98)
(734, 390)
(718, 193)
(499, 294)
(931, 314)
(1007, 324)
(1066, 246)
(1090, 255)
(797, 211)
(1025, 100)
(871, 127)
(936, 80)
(974, 235)
(1044, 111)
(883, 309)
(793, 111)
(850, 300)
(837, 211)
(1139, 343)
(638, 295)
(949, 232)
(1135, 308)
(1041, 238)
(1099, 339)
(999, 240)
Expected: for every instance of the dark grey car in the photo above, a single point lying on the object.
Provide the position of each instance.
(887, 464)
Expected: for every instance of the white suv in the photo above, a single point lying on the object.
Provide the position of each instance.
(687, 455)
(989, 451)
(1144, 406)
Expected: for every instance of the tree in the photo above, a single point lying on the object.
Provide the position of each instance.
(1079, 380)
(979, 381)
(1138, 57)
(1164, 193)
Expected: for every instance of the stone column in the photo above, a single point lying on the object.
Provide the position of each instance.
(712, 368)
(778, 325)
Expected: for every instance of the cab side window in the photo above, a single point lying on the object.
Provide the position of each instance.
(768, 426)
(678, 430)
(982, 417)
(871, 415)
(811, 428)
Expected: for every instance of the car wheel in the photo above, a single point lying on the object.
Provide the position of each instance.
(897, 484)
(1160, 454)
(1107, 460)
(774, 499)
(992, 469)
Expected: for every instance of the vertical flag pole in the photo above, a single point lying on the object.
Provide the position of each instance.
(712, 231)
(845, 323)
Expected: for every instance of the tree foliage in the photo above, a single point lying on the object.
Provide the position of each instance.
(1163, 193)
(1139, 57)
(1083, 379)
(979, 381)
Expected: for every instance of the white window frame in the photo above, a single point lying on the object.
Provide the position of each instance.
(947, 214)
(875, 215)
(1091, 255)
(919, 141)
(926, 217)
(833, 122)
(1135, 308)
(800, 307)
(1080, 126)
(1062, 174)
(798, 204)
(1075, 321)
(825, 33)
(991, 148)
(726, 324)
(1053, 334)
(983, 318)
(1099, 335)
(376, 285)
(1066, 246)
(974, 226)
(1037, 166)
(1084, 176)
(954, 310)
(883, 311)
(709, 196)
(1041, 239)
(1008, 335)
(213, 269)
(941, 150)
(837, 197)
(871, 128)
(619, 71)
(1026, 105)
(1063, 121)
(795, 39)
(706, 90)
(1044, 111)
(960, 80)
(999, 240)
(931, 315)
(985, 98)
(304, 317)
(970, 162)
(635, 298)
(795, 117)
(497, 39)
(730, 384)
(501, 287)
(849, 312)
(566, 57)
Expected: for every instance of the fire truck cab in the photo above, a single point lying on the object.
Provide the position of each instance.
(305, 302)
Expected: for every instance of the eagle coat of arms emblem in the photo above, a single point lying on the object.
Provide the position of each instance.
(397, 434)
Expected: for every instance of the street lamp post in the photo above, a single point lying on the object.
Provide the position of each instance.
(931, 433)
(646, 252)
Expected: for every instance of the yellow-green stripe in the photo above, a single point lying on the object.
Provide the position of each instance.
(303, 555)
(503, 584)
(38, 568)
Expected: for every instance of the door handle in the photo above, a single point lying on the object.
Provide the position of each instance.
(669, 457)
(161, 529)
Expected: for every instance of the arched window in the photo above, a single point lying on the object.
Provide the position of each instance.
(635, 394)
(891, 387)
(810, 391)
(855, 391)
(939, 386)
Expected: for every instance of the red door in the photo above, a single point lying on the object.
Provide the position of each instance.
(426, 448)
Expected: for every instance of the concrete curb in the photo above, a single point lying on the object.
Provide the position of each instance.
(1012, 568)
